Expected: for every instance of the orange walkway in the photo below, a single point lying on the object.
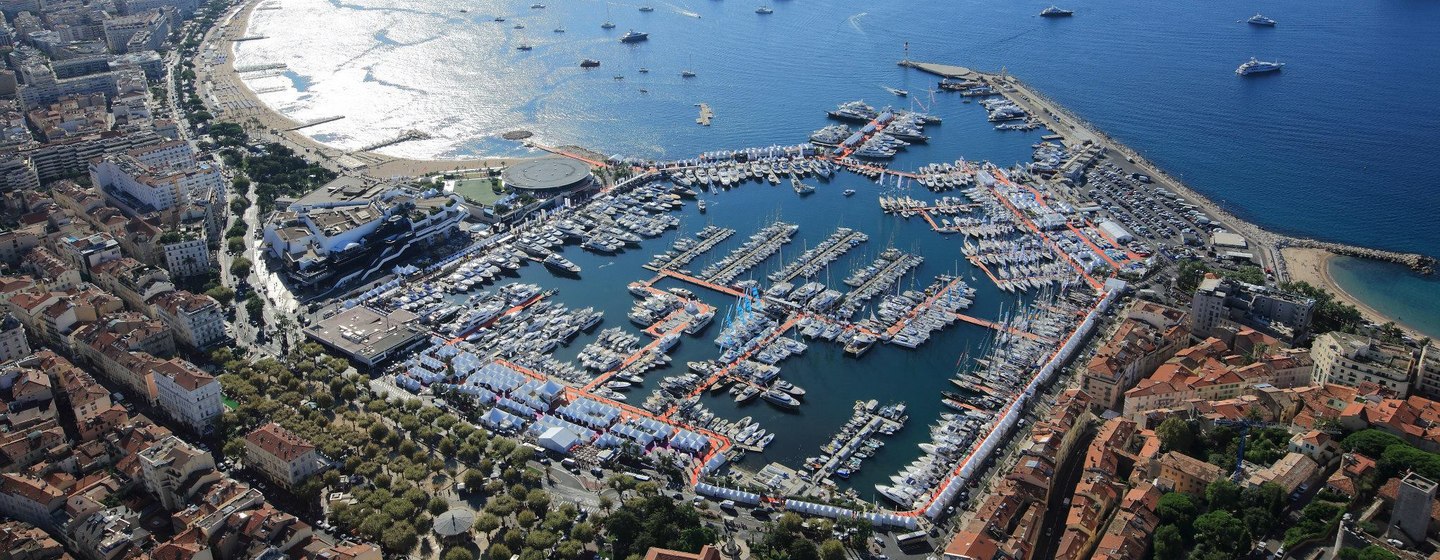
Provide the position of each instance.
(698, 282)
(998, 327)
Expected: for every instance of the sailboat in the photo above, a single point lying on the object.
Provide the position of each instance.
(608, 24)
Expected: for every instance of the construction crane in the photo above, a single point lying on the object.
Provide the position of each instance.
(1244, 426)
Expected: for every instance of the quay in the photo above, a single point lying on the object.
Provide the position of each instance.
(760, 247)
(261, 67)
(405, 136)
(890, 271)
(706, 243)
(313, 122)
(810, 262)
(560, 152)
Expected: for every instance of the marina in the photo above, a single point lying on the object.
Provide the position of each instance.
(778, 322)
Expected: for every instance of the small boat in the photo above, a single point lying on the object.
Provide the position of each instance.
(687, 73)
(848, 192)
(634, 36)
(524, 47)
(499, 18)
(619, 77)
(747, 394)
(896, 91)
(764, 10)
(701, 206)
(537, 6)
(589, 63)
(559, 29)
(1053, 11)
(607, 25)
(646, 9)
(644, 70)
(519, 26)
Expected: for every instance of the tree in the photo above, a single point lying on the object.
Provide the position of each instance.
(222, 294)
(487, 523)
(801, 549)
(1168, 542)
(1175, 434)
(1178, 509)
(459, 553)
(1222, 494)
(832, 549)
(474, 479)
(1187, 278)
(569, 550)
(1372, 552)
(1222, 532)
(400, 537)
(583, 532)
(498, 551)
(240, 267)
(1371, 442)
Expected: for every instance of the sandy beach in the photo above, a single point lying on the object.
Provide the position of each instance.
(234, 101)
(1313, 266)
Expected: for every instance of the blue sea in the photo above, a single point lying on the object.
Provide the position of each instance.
(1336, 146)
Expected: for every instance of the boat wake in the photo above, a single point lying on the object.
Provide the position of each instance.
(854, 20)
(682, 10)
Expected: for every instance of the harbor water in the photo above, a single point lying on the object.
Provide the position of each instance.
(833, 380)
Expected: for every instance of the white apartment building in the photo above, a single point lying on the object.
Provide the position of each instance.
(13, 344)
(196, 318)
(172, 469)
(1348, 359)
(187, 257)
(188, 393)
(287, 459)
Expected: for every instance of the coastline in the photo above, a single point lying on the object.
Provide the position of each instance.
(1289, 258)
(234, 101)
(1312, 265)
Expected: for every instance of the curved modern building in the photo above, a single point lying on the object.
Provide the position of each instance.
(548, 176)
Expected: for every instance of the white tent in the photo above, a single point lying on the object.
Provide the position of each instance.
(559, 440)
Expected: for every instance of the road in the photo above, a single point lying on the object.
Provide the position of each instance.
(1058, 508)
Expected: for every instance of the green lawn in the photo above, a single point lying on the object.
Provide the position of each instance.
(478, 190)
